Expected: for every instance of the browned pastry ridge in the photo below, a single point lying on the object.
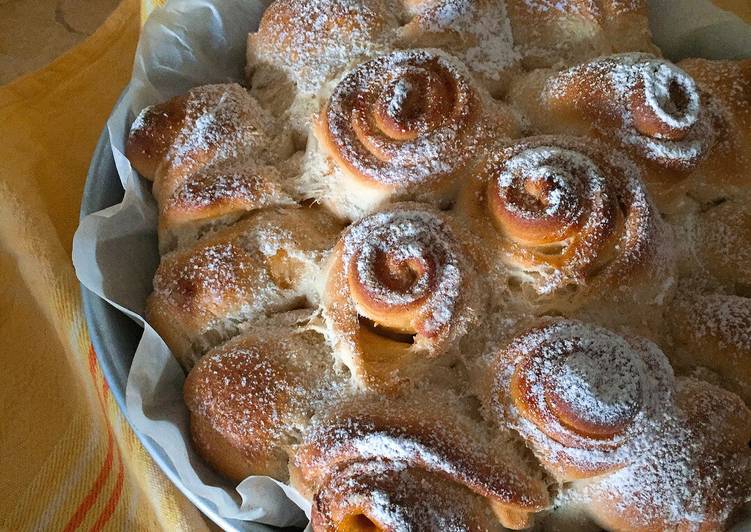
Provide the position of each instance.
(399, 292)
(393, 466)
(644, 452)
(467, 265)
(676, 126)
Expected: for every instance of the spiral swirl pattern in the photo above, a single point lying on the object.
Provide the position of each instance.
(403, 270)
(364, 460)
(581, 395)
(404, 119)
(567, 212)
(646, 104)
(666, 101)
(398, 293)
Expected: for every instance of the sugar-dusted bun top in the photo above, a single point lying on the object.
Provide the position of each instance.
(209, 124)
(256, 393)
(375, 495)
(563, 212)
(582, 395)
(647, 104)
(371, 442)
(312, 41)
(400, 290)
(404, 262)
(404, 119)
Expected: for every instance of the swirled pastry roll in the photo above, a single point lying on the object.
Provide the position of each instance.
(568, 223)
(375, 495)
(405, 125)
(208, 152)
(251, 398)
(582, 396)
(554, 33)
(399, 292)
(267, 263)
(369, 466)
(692, 473)
(645, 105)
(713, 331)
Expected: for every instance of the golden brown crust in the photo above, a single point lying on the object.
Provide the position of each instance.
(379, 439)
(250, 398)
(205, 151)
(399, 291)
(572, 31)
(261, 265)
(713, 331)
(693, 476)
(725, 171)
(153, 135)
(569, 221)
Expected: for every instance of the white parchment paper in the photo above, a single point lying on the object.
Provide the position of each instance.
(195, 42)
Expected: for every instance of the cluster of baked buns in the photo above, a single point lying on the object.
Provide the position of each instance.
(464, 265)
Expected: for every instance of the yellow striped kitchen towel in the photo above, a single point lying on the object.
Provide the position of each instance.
(69, 461)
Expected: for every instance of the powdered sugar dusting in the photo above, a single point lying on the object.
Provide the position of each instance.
(438, 141)
(588, 396)
(692, 472)
(687, 122)
(658, 79)
(259, 389)
(588, 380)
(579, 200)
(222, 122)
(242, 184)
(415, 443)
(401, 91)
(315, 40)
(484, 29)
(398, 497)
(724, 319)
(413, 239)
